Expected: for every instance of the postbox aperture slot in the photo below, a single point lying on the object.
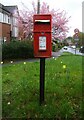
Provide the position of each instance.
(42, 21)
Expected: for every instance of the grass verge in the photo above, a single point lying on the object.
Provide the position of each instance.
(63, 89)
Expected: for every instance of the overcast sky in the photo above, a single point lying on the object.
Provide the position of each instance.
(72, 7)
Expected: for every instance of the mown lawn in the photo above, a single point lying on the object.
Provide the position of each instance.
(63, 89)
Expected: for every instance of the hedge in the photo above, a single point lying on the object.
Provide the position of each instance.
(17, 50)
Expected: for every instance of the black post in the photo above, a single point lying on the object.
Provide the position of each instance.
(38, 7)
(42, 67)
(42, 79)
(75, 49)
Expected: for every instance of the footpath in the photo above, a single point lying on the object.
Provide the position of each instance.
(54, 54)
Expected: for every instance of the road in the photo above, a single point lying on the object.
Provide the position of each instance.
(72, 50)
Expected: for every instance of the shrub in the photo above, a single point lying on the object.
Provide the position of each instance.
(55, 47)
(17, 50)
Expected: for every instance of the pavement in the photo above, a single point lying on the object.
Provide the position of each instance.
(54, 54)
(57, 54)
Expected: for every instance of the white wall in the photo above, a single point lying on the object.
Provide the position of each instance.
(14, 26)
(15, 31)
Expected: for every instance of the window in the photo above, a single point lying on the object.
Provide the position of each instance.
(6, 18)
(1, 17)
(5, 39)
(1, 40)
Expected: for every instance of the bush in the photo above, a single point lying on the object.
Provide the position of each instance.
(55, 47)
(17, 50)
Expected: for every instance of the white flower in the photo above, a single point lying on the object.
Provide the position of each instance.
(64, 66)
(53, 57)
(11, 61)
(2, 62)
(8, 103)
(45, 105)
(61, 62)
(24, 63)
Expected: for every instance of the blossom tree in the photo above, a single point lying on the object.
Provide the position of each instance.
(59, 21)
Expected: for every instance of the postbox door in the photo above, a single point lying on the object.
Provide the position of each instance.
(42, 43)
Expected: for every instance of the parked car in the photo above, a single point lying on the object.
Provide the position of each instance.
(65, 48)
(73, 46)
(81, 49)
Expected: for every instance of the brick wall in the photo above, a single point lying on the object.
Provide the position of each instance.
(5, 31)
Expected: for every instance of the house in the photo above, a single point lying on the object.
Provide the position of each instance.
(5, 26)
(8, 22)
(69, 40)
(13, 20)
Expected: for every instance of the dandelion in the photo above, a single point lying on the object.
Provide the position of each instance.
(24, 63)
(64, 66)
(54, 94)
(11, 62)
(45, 105)
(71, 88)
(8, 103)
(2, 62)
(55, 74)
(36, 115)
(53, 57)
(61, 62)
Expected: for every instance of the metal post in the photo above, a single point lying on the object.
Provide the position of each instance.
(38, 7)
(42, 79)
(75, 47)
(75, 50)
(42, 67)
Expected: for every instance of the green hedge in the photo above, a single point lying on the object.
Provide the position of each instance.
(17, 50)
(56, 47)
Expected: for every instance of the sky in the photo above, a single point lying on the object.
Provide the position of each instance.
(72, 7)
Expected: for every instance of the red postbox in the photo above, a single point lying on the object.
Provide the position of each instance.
(42, 35)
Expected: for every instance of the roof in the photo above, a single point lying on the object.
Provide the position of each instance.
(11, 8)
(3, 9)
(8, 9)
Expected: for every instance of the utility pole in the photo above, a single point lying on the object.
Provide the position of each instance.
(38, 7)
(42, 67)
